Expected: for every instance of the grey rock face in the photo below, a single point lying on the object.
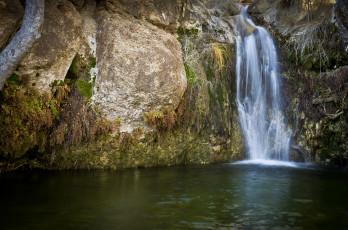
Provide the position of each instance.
(140, 69)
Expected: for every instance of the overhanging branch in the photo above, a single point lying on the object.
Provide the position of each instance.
(24, 39)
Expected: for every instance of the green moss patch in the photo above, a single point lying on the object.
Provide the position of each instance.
(86, 89)
(190, 75)
(14, 79)
(220, 95)
(79, 75)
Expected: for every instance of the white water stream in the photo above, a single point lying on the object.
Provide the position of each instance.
(260, 112)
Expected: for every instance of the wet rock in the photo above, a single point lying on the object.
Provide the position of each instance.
(245, 27)
(298, 153)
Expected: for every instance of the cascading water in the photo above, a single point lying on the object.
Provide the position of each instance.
(259, 108)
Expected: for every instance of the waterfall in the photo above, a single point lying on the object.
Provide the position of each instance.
(260, 112)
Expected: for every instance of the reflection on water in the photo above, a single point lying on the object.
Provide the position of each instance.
(229, 196)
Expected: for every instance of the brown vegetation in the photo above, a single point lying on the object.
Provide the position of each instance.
(30, 121)
(166, 119)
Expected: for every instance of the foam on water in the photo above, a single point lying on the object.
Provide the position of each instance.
(268, 163)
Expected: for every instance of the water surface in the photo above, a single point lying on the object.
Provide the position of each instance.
(228, 196)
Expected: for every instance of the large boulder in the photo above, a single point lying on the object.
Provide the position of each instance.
(51, 56)
(140, 69)
(11, 15)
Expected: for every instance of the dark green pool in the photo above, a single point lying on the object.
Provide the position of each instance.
(228, 196)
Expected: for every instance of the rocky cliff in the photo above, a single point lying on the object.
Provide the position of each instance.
(114, 84)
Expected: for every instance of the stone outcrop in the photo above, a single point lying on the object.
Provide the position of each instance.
(11, 15)
(140, 69)
(51, 56)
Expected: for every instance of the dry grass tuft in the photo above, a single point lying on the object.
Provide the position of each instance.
(220, 54)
